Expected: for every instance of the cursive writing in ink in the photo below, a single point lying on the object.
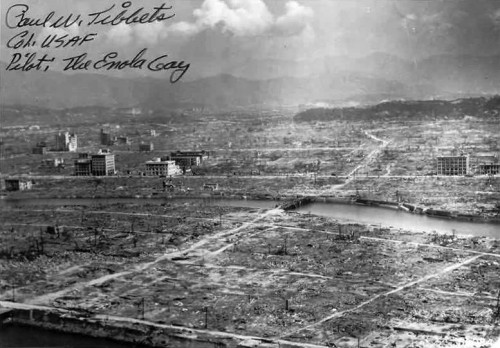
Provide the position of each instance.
(30, 62)
(17, 17)
(138, 16)
(111, 61)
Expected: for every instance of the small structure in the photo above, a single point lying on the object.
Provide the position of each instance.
(146, 147)
(210, 187)
(160, 167)
(452, 165)
(123, 140)
(53, 163)
(66, 142)
(168, 186)
(18, 184)
(40, 148)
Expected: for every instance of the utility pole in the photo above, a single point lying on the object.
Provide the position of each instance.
(141, 304)
(498, 306)
(206, 317)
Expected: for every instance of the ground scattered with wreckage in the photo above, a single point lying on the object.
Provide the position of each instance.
(255, 272)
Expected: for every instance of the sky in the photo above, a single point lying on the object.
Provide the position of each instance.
(215, 34)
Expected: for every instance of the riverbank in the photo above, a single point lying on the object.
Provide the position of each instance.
(464, 198)
(285, 202)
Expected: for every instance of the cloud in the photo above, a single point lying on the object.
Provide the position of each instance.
(295, 20)
(240, 18)
(150, 33)
(495, 18)
(243, 18)
(120, 34)
(184, 28)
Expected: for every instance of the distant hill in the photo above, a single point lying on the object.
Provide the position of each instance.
(411, 110)
(58, 90)
(371, 79)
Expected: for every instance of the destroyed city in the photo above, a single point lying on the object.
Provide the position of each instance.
(264, 173)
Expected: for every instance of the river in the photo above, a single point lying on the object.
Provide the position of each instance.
(385, 217)
(14, 336)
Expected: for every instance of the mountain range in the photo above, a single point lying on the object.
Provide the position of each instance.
(334, 80)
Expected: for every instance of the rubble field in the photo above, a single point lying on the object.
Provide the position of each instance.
(254, 272)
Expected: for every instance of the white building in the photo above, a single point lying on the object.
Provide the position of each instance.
(103, 163)
(157, 167)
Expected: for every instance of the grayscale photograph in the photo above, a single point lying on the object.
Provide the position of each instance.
(249, 173)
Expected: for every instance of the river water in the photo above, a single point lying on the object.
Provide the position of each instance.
(14, 336)
(385, 217)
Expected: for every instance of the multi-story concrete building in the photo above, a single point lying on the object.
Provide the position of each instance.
(40, 148)
(159, 167)
(83, 165)
(100, 164)
(489, 169)
(123, 140)
(186, 159)
(452, 165)
(103, 163)
(106, 138)
(66, 142)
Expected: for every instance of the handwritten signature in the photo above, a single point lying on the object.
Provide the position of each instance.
(17, 16)
(107, 62)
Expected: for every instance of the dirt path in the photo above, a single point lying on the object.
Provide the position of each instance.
(364, 163)
(400, 288)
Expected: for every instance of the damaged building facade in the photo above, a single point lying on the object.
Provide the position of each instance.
(100, 164)
(160, 167)
(66, 142)
(452, 165)
(187, 159)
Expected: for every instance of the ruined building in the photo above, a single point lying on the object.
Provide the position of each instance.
(66, 142)
(452, 165)
(159, 167)
(18, 184)
(105, 138)
(187, 159)
(146, 147)
(100, 164)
